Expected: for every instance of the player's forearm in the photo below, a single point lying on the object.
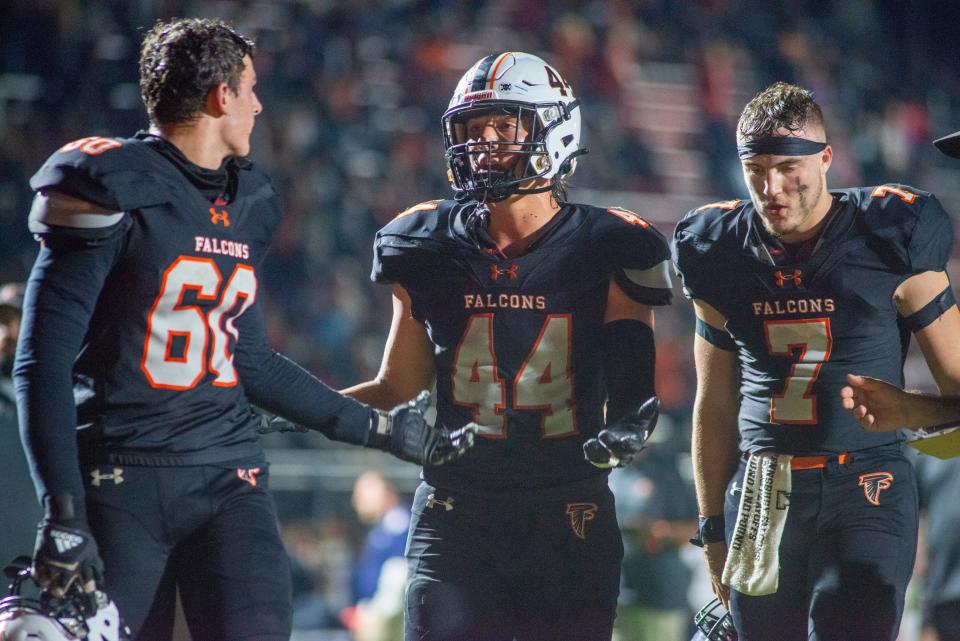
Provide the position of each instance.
(715, 452)
(925, 411)
(64, 286)
(378, 393)
(284, 388)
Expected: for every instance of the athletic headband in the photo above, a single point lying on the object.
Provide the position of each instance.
(779, 146)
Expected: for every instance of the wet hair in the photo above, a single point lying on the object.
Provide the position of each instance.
(779, 106)
(181, 60)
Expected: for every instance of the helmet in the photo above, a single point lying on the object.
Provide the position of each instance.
(526, 87)
(50, 619)
(714, 623)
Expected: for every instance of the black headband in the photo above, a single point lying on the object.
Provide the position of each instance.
(779, 146)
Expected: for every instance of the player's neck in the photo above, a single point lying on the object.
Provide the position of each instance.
(514, 219)
(196, 140)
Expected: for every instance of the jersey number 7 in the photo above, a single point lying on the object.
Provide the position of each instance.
(544, 381)
(796, 404)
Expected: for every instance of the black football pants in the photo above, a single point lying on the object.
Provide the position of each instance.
(846, 554)
(538, 566)
(209, 531)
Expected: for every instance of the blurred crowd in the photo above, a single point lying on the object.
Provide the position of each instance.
(353, 91)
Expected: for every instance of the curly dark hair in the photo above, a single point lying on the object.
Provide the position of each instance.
(182, 59)
(779, 106)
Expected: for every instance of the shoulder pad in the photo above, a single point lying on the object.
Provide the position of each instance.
(56, 213)
(637, 252)
(912, 228)
(699, 233)
(422, 219)
(712, 222)
(117, 174)
(409, 237)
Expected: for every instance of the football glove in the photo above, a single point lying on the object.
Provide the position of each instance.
(410, 433)
(618, 443)
(66, 555)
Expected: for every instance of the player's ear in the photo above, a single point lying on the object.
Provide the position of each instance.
(218, 100)
(826, 159)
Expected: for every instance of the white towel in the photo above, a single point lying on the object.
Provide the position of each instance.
(753, 559)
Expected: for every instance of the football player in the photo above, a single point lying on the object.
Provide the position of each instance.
(880, 406)
(808, 523)
(142, 341)
(529, 314)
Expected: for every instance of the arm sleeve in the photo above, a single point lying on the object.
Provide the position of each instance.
(278, 385)
(60, 298)
(629, 360)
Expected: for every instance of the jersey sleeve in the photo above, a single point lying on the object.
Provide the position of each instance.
(638, 254)
(61, 296)
(913, 230)
(688, 252)
(114, 174)
(402, 249)
(932, 238)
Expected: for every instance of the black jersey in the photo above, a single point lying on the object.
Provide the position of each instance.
(155, 379)
(517, 342)
(800, 328)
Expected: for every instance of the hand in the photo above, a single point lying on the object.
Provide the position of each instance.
(617, 444)
(409, 432)
(66, 558)
(716, 555)
(876, 405)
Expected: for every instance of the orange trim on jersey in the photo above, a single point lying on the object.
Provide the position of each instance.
(882, 191)
(496, 65)
(631, 217)
(168, 356)
(723, 204)
(429, 205)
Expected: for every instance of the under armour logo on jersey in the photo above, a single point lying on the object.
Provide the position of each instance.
(783, 278)
(510, 272)
(96, 478)
(65, 541)
(248, 474)
(433, 501)
(222, 216)
(579, 514)
(874, 483)
(735, 489)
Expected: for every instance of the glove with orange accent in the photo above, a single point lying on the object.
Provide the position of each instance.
(618, 443)
(409, 432)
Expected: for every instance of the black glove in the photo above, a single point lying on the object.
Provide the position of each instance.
(409, 432)
(617, 444)
(66, 555)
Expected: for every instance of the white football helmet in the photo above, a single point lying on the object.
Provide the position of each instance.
(26, 620)
(49, 619)
(524, 86)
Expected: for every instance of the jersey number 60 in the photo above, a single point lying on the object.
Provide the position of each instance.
(171, 321)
